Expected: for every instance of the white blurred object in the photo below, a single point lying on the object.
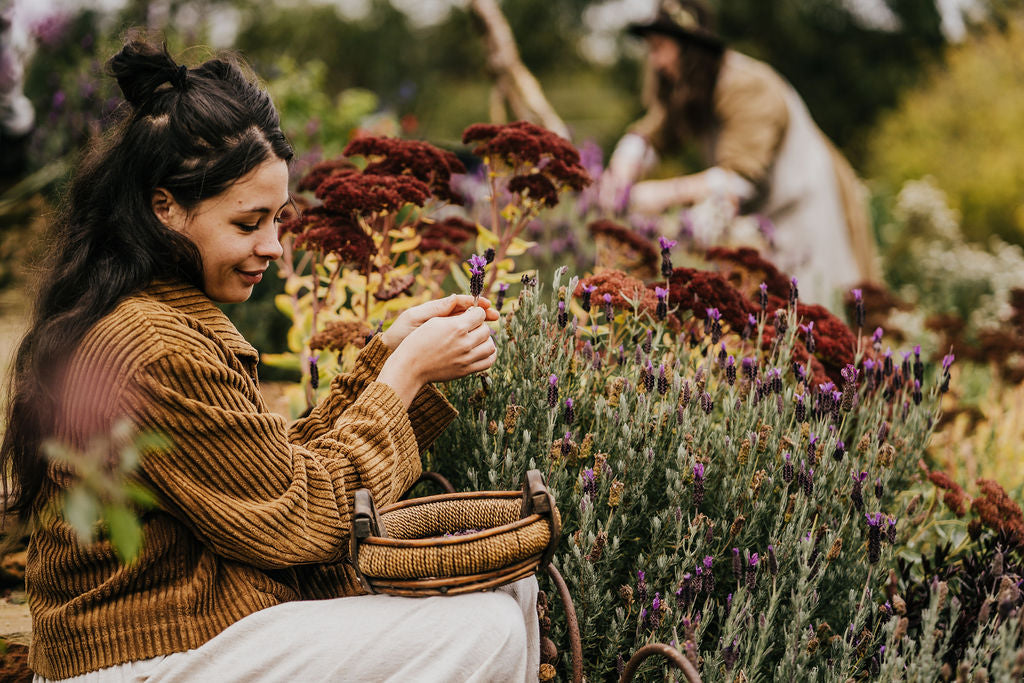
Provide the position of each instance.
(17, 115)
(633, 157)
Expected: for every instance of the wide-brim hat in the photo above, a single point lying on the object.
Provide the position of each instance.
(684, 21)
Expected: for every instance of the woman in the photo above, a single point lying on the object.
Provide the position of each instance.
(241, 573)
(763, 150)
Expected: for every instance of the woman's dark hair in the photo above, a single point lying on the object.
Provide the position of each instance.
(689, 101)
(193, 132)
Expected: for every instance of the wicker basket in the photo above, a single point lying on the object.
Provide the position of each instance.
(454, 543)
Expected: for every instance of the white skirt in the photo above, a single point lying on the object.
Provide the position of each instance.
(492, 636)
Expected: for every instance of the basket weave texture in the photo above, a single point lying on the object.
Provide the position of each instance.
(499, 539)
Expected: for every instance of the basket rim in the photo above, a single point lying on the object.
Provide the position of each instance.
(434, 541)
(442, 497)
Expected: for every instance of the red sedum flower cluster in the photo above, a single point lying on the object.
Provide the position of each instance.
(420, 160)
(446, 235)
(998, 511)
(542, 162)
(400, 172)
(622, 289)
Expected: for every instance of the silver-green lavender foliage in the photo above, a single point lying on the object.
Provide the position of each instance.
(660, 491)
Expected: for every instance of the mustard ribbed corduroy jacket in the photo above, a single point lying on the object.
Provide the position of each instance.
(253, 511)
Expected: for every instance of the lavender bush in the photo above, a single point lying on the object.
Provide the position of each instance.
(747, 518)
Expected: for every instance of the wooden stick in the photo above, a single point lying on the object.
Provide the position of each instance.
(518, 87)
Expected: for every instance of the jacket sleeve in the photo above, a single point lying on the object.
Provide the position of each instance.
(233, 475)
(429, 412)
(753, 118)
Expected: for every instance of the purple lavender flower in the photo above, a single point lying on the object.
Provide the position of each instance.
(749, 327)
(858, 303)
(714, 322)
(730, 370)
(314, 371)
(567, 446)
(698, 484)
(609, 312)
(737, 567)
(585, 299)
(730, 653)
(874, 536)
(883, 432)
(686, 394)
(489, 255)
(876, 339)
(787, 468)
(773, 562)
(808, 331)
(706, 403)
(751, 573)
(563, 317)
(666, 258)
(878, 488)
(763, 297)
(552, 391)
(683, 592)
(890, 532)
(918, 365)
(812, 450)
(947, 361)
(569, 414)
(662, 309)
(808, 482)
(917, 396)
(839, 451)
(500, 301)
(648, 377)
(655, 614)
(856, 493)
(476, 269)
(589, 480)
(800, 409)
(835, 404)
(749, 367)
(641, 586)
(794, 292)
(662, 380)
(709, 575)
(781, 322)
(648, 341)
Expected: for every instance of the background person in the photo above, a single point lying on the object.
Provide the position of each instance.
(241, 574)
(764, 151)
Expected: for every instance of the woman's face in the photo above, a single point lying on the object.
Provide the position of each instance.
(663, 54)
(236, 231)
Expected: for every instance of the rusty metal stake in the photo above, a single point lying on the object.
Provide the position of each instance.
(666, 651)
(574, 625)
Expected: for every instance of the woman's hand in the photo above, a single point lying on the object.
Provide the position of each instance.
(439, 349)
(657, 196)
(412, 318)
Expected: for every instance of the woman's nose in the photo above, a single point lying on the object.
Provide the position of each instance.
(269, 246)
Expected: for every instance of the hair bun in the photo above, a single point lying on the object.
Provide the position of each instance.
(140, 68)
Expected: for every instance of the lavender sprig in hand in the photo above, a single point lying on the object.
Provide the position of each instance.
(476, 286)
(476, 279)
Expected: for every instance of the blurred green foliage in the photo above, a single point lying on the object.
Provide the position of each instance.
(972, 150)
(846, 71)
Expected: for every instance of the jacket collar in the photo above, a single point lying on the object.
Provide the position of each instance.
(192, 302)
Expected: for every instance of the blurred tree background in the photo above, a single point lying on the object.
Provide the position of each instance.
(880, 77)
